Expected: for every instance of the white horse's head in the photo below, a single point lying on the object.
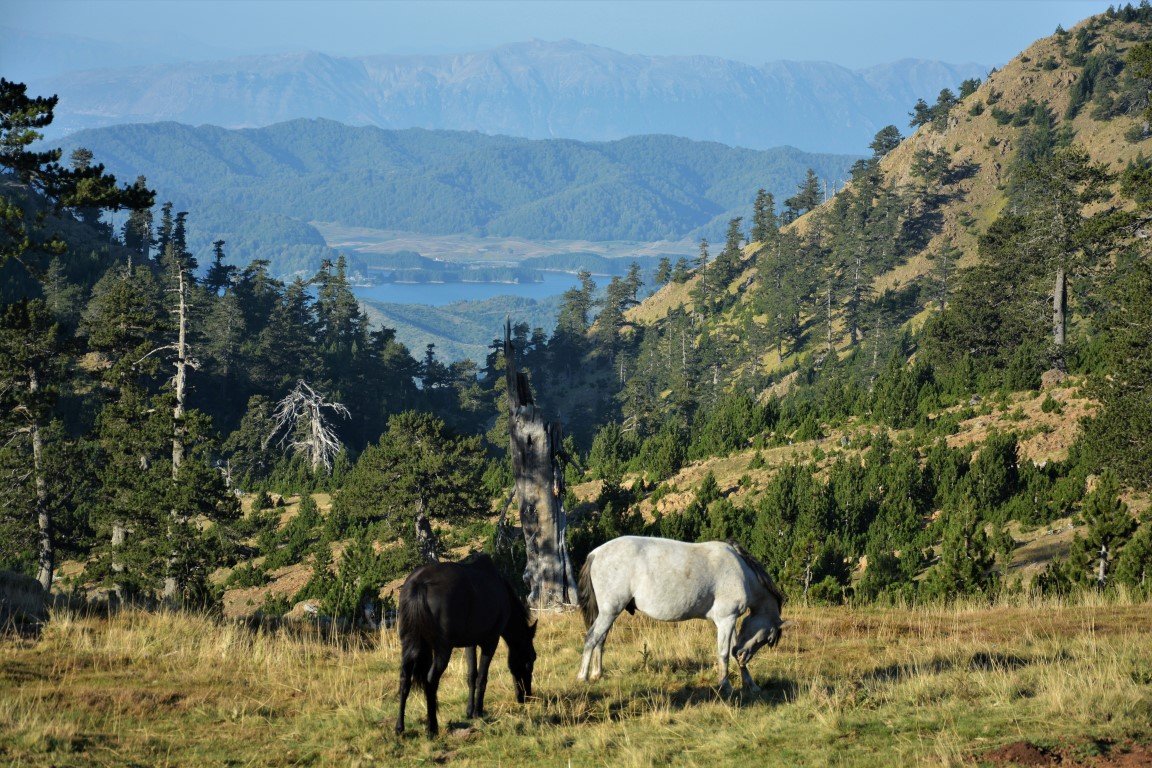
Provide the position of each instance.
(758, 630)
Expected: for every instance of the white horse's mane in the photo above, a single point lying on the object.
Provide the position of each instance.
(758, 569)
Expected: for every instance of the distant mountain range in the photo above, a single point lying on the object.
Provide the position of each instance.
(644, 188)
(535, 89)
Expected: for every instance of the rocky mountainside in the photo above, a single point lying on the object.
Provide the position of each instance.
(535, 89)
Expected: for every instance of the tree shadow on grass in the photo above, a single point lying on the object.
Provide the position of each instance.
(979, 661)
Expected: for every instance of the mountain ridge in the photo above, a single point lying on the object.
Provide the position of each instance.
(644, 188)
(535, 89)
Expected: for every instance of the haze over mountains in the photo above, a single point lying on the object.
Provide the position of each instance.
(535, 89)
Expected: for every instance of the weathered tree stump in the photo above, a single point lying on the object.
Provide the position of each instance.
(537, 454)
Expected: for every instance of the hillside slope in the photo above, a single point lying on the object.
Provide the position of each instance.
(981, 137)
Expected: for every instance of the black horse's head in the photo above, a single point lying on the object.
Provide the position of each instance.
(521, 659)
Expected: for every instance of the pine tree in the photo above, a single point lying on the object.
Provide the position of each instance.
(1109, 525)
(21, 117)
(30, 369)
(807, 197)
(885, 140)
(764, 224)
(663, 271)
(418, 464)
(219, 274)
(967, 561)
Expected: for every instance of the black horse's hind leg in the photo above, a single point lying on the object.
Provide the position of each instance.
(412, 664)
(486, 654)
(405, 685)
(439, 664)
(470, 655)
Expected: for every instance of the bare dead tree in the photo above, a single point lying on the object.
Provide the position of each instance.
(426, 539)
(183, 362)
(536, 466)
(300, 422)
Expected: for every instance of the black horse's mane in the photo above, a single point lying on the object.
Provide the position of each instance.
(758, 569)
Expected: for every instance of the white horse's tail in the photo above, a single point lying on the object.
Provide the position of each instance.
(587, 595)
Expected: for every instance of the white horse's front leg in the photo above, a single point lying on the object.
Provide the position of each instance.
(725, 632)
(746, 680)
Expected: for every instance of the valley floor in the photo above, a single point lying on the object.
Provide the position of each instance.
(846, 686)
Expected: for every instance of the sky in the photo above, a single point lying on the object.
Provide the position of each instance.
(853, 33)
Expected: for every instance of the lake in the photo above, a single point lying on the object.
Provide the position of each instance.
(439, 294)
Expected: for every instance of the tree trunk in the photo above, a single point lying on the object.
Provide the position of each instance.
(829, 307)
(171, 582)
(1059, 321)
(46, 556)
(1102, 566)
(536, 455)
(118, 585)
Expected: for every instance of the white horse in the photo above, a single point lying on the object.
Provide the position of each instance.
(672, 581)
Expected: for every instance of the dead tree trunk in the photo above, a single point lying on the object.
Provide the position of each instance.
(536, 456)
(426, 539)
(1059, 321)
(46, 556)
(171, 582)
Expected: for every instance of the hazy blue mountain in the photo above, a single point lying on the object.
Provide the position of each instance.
(536, 89)
(30, 56)
(643, 188)
(465, 329)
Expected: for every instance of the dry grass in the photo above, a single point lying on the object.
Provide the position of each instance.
(845, 687)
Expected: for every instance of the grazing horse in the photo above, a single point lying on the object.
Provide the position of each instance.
(460, 605)
(672, 581)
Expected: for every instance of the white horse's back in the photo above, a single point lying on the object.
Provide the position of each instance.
(666, 579)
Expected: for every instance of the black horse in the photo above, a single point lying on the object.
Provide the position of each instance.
(460, 605)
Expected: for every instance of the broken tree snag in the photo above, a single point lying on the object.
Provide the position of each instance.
(536, 456)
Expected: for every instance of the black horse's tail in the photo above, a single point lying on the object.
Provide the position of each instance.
(414, 625)
(587, 595)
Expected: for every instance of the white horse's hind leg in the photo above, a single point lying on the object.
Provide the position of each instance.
(725, 632)
(594, 646)
(598, 659)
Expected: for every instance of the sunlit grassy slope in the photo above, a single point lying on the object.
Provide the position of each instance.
(845, 687)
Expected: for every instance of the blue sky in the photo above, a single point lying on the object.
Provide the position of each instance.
(852, 33)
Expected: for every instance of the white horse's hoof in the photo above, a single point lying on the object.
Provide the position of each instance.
(593, 677)
(581, 677)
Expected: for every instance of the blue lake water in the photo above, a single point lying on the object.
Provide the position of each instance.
(439, 294)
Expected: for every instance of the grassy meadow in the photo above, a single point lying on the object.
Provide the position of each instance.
(846, 686)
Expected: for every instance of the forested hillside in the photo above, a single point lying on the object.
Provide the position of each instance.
(891, 395)
(642, 188)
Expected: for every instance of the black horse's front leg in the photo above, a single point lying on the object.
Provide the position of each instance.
(470, 655)
(486, 655)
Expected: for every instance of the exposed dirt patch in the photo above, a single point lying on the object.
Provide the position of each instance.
(1020, 753)
(1089, 754)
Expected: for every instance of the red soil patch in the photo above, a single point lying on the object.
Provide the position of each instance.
(1023, 753)
(1020, 753)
